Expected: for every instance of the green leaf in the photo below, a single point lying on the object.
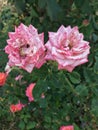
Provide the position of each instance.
(76, 127)
(53, 9)
(74, 77)
(42, 3)
(82, 90)
(95, 37)
(87, 31)
(90, 76)
(78, 3)
(41, 87)
(83, 5)
(43, 103)
(33, 13)
(22, 125)
(95, 106)
(20, 5)
(94, 23)
(1, 25)
(96, 65)
(31, 125)
(47, 119)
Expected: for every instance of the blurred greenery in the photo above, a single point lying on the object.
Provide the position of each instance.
(70, 98)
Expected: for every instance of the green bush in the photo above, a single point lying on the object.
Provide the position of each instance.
(70, 98)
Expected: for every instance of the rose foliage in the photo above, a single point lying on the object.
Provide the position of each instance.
(49, 65)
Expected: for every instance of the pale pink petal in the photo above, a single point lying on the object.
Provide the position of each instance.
(26, 48)
(70, 127)
(19, 77)
(29, 92)
(67, 47)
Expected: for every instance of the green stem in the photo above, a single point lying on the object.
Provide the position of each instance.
(71, 86)
(16, 68)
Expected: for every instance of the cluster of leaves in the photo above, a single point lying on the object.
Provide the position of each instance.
(70, 98)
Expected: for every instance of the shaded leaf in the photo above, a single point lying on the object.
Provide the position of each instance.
(74, 77)
(31, 125)
(33, 13)
(20, 5)
(96, 65)
(53, 9)
(76, 127)
(82, 90)
(95, 106)
(42, 3)
(22, 125)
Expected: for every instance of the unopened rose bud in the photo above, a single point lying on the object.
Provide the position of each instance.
(85, 22)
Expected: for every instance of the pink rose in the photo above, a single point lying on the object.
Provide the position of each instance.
(25, 48)
(67, 47)
(70, 127)
(17, 107)
(29, 92)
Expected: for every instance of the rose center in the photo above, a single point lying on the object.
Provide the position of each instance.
(23, 50)
(70, 45)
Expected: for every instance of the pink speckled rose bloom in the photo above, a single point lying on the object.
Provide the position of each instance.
(29, 92)
(70, 127)
(25, 48)
(67, 47)
(17, 107)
